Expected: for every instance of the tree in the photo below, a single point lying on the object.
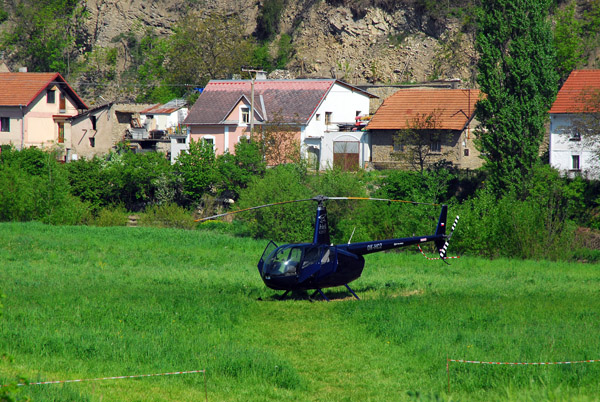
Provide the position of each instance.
(205, 47)
(418, 143)
(567, 40)
(279, 140)
(198, 170)
(46, 35)
(517, 74)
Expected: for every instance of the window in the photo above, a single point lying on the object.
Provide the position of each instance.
(4, 124)
(245, 115)
(327, 118)
(61, 132)
(318, 117)
(51, 96)
(62, 103)
(244, 138)
(180, 140)
(92, 142)
(574, 134)
(93, 120)
(466, 152)
(398, 146)
(436, 144)
(209, 140)
(575, 162)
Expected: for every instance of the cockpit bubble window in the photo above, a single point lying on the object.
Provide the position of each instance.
(284, 261)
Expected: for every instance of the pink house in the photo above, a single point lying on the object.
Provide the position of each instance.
(35, 109)
(323, 110)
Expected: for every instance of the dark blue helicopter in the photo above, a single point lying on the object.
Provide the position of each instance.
(320, 264)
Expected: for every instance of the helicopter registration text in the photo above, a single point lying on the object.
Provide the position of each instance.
(377, 246)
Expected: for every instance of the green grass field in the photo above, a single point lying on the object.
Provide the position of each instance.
(85, 302)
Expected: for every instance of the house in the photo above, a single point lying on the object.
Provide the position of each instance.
(575, 112)
(321, 112)
(98, 130)
(35, 109)
(443, 119)
(167, 118)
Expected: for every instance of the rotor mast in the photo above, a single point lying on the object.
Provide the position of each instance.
(321, 235)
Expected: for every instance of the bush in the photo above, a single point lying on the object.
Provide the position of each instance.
(507, 227)
(34, 186)
(111, 216)
(288, 222)
(167, 216)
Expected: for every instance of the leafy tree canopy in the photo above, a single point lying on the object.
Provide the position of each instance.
(45, 35)
(205, 47)
(516, 72)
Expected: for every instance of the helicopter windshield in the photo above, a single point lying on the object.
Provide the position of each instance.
(284, 261)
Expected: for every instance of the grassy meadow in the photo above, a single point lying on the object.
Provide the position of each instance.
(87, 302)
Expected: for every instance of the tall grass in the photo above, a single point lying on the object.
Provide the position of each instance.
(86, 302)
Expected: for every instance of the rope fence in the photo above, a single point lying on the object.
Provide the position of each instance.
(118, 378)
(448, 361)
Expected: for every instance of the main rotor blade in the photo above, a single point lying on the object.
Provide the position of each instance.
(249, 209)
(318, 198)
(380, 199)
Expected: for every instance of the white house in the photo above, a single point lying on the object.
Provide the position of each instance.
(168, 117)
(323, 110)
(577, 102)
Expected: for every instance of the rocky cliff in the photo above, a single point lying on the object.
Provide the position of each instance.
(379, 44)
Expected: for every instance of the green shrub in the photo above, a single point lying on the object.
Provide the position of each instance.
(34, 186)
(111, 216)
(287, 222)
(132, 178)
(167, 216)
(508, 227)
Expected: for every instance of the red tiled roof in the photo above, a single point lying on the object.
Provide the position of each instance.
(291, 100)
(453, 108)
(579, 94)
(20, 89)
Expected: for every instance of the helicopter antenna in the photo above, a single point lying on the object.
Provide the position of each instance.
(352, 235)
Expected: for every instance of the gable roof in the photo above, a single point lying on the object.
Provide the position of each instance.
(291, 100)
(578, 93)
(20, 89)
(453, 108)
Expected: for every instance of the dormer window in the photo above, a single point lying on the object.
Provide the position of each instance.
(51, 96)
(245, 115)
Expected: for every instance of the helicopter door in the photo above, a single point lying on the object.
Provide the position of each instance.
(323, 258)
(268, 250)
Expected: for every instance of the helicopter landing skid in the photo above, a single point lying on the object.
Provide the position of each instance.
(352, 291)
(322, 295)
(327, 299)
(283, 295)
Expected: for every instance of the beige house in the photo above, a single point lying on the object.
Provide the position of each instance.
(98, 130)
(443, 118)
(35, 109)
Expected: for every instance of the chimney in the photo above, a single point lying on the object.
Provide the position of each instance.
(22, 69)
(261, 75)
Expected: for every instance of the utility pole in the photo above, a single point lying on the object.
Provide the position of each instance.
(253, 78)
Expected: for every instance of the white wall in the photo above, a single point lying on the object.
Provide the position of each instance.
(343, 103)
(562, 149)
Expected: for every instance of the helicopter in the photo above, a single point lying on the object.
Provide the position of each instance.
(321, 264)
